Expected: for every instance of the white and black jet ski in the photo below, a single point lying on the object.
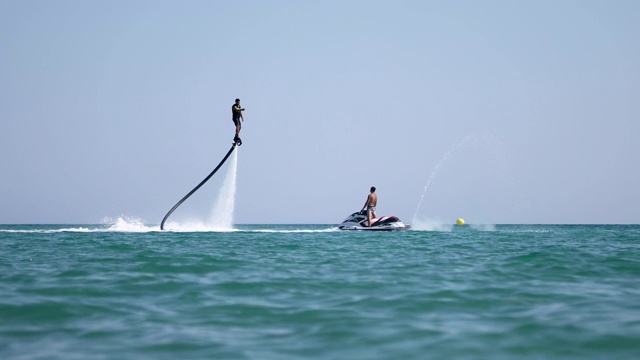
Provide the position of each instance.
(359, 221)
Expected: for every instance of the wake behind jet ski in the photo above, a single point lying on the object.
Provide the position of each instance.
(359, 221)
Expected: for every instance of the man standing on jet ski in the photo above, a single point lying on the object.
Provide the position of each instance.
(370, 205)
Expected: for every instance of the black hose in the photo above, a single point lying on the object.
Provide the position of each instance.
(197, 187)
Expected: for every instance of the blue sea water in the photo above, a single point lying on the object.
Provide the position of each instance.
(313, 292)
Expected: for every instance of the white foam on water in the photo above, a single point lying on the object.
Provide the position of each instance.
(332, 229)
(194, 225)
(119, 224)
(430, 225)
(47, 231)
(483, 227)
(127, 224)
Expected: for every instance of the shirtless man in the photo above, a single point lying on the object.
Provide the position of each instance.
(370, 205)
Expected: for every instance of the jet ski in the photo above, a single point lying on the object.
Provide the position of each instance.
(359, 221)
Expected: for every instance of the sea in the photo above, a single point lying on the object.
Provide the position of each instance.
(130, 291)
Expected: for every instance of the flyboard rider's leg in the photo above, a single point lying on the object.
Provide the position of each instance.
(236, 139)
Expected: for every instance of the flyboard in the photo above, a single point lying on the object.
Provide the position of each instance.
(236, 142)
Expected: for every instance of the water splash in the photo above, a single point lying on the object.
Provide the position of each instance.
(221, 218)
(222, 214)
(430, 225)
(126, 224)
(461, 144)
(483, 227)
(484, 138)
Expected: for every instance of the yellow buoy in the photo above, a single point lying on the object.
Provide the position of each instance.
(460, 221)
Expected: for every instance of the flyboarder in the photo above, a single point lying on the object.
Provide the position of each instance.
(237, 110)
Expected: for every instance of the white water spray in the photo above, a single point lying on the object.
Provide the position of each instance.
(222, 214)
(445, 157)
(472, 139)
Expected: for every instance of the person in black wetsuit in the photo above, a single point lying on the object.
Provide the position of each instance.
(237, 110)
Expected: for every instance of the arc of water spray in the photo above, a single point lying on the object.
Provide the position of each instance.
(489, 140)
(444, 158)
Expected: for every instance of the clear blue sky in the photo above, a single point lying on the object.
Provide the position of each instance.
(529, 110)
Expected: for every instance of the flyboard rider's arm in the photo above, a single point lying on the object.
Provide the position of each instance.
(239, 110)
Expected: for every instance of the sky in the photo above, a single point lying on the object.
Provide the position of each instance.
(500, 112)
